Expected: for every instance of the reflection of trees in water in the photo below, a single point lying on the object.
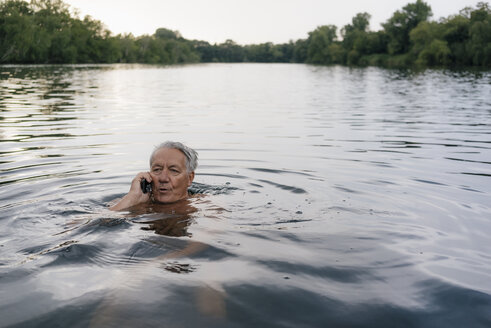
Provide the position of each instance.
(45, 88)
(48, 88)
(42, 99)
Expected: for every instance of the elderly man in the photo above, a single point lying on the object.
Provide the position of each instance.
(172, 167)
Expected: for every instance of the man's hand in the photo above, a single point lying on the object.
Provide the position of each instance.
(135, 196)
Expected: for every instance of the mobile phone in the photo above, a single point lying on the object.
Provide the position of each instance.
(146, 186)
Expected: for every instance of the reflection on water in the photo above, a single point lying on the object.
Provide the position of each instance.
(166, 219)
(324, 196)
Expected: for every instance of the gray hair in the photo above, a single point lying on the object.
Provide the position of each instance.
(190, 154)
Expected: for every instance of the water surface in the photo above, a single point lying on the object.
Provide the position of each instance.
(333, 197)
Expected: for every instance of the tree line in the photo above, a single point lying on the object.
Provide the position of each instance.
(44, 31)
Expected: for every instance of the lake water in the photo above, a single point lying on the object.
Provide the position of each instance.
(333, 197)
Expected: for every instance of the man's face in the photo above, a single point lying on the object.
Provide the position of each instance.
(169, 176)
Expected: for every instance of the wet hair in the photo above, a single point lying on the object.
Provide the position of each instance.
(190, 154)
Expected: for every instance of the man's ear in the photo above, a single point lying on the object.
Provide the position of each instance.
(191, 178)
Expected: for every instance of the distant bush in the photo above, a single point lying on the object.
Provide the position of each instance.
(44, 31)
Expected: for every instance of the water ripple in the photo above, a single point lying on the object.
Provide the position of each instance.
(327, 196)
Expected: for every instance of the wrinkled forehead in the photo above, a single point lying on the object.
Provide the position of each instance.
(169, 156)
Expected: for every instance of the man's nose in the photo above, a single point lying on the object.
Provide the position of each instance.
(164, 176)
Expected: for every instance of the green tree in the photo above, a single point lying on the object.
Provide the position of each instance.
(127, 48)
(402, 22)
(356, 38)
(44, 31)
(377, 42)
(205, 50)
(318, 44)
(468, 36)
(230, 52)
(336, 53)
(456, 33)
(181, 52)
(264, 53)
(283, 53)
(480, 35)
(300, 49)
(428, 46)
(163, 33)
(360, 22)
(359, 25)
(16, 31)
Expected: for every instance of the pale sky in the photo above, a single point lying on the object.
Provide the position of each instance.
(245, 21)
